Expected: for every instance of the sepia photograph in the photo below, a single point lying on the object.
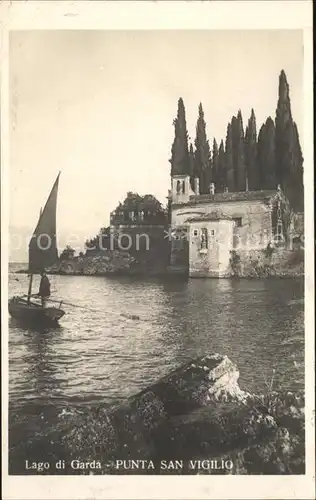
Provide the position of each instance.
(156, 252)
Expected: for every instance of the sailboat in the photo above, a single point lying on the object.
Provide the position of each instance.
(42, 254)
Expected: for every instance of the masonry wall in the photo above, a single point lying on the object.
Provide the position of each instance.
(179, 249)
(261, 264)
(297, 225)
(148, 244)
(256, 223)
(213, 261)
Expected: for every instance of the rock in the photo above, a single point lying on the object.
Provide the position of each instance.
(260, 436)
(196, 412)
(108, 262)
(135, 428)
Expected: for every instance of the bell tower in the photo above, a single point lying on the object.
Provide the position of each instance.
(181, 188)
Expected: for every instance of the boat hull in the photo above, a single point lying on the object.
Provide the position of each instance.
(33, 313)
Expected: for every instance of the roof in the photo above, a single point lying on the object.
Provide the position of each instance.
(264, 196)
(213, 216)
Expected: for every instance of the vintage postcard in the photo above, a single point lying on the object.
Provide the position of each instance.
(157, 250)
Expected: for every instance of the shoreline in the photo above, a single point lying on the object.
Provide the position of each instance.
(250, 264)
(168, 275)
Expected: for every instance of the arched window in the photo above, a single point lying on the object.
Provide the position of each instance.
(178, 187)
(183, 187)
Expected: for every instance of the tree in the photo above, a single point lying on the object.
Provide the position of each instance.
(251, 161)
(283, 126)
(192, 166)
(221, 171)
(238, 152)
(131, 200)
(266, 155)
(67, 253)
(289, 159)
(229, 165)
(215, 171)
(202, 153)
(180, 162)
(297, 172)
(293, 185)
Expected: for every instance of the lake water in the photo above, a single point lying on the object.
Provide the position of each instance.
(101, 356)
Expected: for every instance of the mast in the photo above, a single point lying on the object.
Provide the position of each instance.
(30, 289)
(29, 293)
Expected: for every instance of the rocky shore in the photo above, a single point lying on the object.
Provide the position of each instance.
(249, 265)
(195, 420)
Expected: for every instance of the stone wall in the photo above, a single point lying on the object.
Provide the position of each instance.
(150, 246)
(267, 263)
(297, 225)
(256, 224)
(212, 261)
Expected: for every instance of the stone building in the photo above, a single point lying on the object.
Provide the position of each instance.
(140, 224)
(207, 228)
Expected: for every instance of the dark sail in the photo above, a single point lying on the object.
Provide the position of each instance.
(43, 247)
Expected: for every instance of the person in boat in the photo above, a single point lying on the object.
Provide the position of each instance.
(44, 288)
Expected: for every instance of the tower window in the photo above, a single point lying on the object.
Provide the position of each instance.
(183, 187)
(178, 187)
(195, 232)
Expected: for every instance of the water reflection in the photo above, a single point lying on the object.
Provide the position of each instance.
(247, 320)
(104, 355)
(40, 357)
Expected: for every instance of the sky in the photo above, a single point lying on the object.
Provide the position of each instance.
(99, 106)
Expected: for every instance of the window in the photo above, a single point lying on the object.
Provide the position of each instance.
(212, 232)
(195, 232)
(237, 221)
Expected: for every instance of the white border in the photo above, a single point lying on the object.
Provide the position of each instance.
(164, 15)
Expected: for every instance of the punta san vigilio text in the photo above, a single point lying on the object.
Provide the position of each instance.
(126, 465)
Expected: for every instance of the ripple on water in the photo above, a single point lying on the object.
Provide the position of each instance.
(105, 356)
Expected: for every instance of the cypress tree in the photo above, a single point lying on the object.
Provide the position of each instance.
(298, 170)
(266, 155)
(252, 170)
(283, 126)
(215, 171)
(202, 153)
(295, 186)
(289, 159)
(192, 166)
(235, 138)
(180, 161)
(221, 175)
(229, 165)
(238, 152)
